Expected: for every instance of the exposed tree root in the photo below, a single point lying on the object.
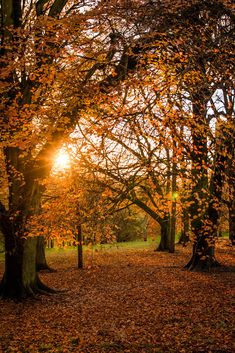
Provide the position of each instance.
(41, 286)
(30, 292)
(202, 263)
(43, 292)
(20, 291)
(45, 268)
(161, 248)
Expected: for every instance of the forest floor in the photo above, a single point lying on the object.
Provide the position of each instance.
(135, 301)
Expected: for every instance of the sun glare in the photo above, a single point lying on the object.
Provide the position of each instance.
(62, 160)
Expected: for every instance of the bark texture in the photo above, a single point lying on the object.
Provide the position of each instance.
(165, 229)
(41, 262)
(20, 278)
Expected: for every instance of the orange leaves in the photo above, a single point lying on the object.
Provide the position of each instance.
(130, 301)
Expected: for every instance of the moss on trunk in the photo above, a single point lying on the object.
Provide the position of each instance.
(20, 279)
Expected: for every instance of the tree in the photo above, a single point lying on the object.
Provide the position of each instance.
(27, 54)
(132, 154)
(41, 44)
(198, 56)
(207, 182)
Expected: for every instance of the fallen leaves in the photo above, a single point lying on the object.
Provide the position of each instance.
(128, 301)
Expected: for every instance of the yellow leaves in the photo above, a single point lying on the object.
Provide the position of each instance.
(107, 193)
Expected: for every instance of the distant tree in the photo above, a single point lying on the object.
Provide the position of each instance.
(127, 161)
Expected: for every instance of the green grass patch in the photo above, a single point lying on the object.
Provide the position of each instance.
(129, 245)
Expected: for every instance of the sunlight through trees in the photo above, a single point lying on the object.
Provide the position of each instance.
(142, 95)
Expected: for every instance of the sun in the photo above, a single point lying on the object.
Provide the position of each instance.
(62, 160)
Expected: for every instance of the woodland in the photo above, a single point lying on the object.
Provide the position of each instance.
(117, 128)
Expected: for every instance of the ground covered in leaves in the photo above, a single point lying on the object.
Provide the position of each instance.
(136, 301)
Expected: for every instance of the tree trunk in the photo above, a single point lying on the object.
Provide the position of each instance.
(172, 231)
(20, 279)
(165, 228)
(205, 228)
(50, 243)
(184, 237)
(232, 222)
(145, 232)
(41, 262)
(203, 248)
(80, 252)
(203, 257)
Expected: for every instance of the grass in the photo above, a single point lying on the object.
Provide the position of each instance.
(127, 246)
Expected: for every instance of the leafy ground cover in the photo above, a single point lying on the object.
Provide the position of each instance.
(126, 300)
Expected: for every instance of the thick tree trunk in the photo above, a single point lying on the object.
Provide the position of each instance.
(205, 228)
(20, 279)
(205, 232)
(165, 229)
(163, 222)
(203, 248)
(203, 257)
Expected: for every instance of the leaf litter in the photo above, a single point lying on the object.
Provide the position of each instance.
(136, 301)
